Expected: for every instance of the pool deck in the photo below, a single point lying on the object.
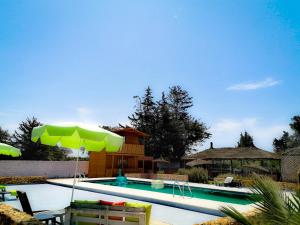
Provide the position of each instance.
(195, 204)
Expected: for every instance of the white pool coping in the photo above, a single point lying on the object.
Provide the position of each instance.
(195, 204)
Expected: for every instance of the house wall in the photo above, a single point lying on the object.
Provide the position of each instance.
(97, 166)
(290, 165)
(49, 169)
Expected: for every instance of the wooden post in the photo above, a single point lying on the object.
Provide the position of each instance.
(112, 165)
(231, 169)
(221, 166)
(143, 166)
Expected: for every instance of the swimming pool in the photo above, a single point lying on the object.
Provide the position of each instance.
(196, 192)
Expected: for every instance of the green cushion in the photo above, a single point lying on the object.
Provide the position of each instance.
(13, 193)
(2, 187)
(86, 204)
(147, 208)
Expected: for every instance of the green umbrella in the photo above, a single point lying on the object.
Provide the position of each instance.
(77, 137)
(9, 150)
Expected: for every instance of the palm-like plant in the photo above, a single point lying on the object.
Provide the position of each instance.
(274, 206)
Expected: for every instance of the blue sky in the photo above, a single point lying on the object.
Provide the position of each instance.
(85, 60)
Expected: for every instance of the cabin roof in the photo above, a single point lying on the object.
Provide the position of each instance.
(130, 131)
(232, 153)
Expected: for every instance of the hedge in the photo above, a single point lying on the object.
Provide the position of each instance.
(23, 180)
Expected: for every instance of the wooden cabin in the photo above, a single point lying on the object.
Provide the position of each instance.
(131, 158)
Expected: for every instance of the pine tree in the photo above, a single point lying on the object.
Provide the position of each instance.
(145, 118)
(168, 133)
(191, 131)
(180, 102)
(4, 136)
(173, 131)
(34, 151)
(246, 140)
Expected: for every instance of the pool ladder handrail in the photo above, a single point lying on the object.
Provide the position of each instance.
(182, 188)
(79, 176)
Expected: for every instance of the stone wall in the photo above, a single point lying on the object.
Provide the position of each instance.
(11, 216)
(50, 169)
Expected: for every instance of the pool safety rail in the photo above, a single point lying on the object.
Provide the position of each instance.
(182, 188)
(79, 177)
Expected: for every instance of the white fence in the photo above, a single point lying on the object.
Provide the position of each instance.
(50, 169)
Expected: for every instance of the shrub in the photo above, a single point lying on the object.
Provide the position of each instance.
(196, 175)
(11, 216)
(23, 180)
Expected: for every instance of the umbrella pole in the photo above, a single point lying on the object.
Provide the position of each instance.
(74, 180)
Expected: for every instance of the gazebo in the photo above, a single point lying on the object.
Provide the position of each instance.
(223, 159)
(160, 164)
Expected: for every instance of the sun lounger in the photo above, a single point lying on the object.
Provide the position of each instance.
(42, 215)
(228, 181)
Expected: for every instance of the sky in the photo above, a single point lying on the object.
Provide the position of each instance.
(83, 61)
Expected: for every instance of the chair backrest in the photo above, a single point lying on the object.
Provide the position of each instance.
(25, 202)
(228, 180)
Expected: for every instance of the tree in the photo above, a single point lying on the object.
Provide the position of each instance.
(6, 139)
(168, 130)
(287, 140)
(145, 118)
(281, 144)
(172, 130)
(295, 125)
(180, 102)
(31, 150)
(4, 136)
(246, 140)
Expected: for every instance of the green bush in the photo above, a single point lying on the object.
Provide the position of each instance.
(196, 175)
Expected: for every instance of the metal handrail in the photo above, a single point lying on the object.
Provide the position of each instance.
(181, 189)
(178, 185)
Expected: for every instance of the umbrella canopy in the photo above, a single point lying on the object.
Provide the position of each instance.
(78, 136)
(9, 150)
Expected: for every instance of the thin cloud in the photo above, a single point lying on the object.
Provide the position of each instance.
(268, 82)
(226, 132)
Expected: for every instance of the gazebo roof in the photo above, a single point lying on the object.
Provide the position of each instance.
(161, 160)
(293, 152)
(232, 153)
(256, 167)
(198, 162)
